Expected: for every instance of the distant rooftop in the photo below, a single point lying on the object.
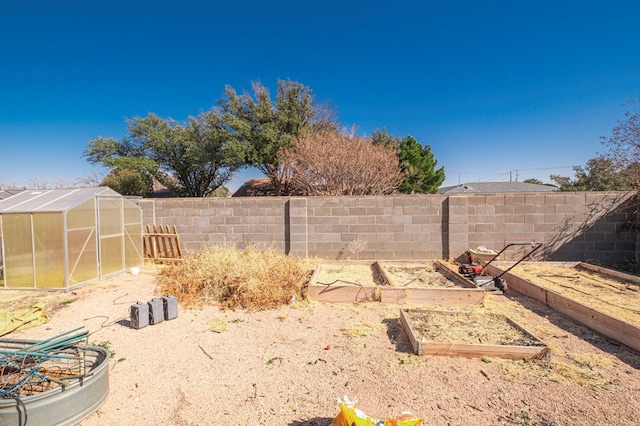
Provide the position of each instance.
(495, 188)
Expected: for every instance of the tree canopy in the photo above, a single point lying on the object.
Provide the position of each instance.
(618, 169)
(264, 127)
(419, 167)
(417, 162)
(281, 137)
(623, 145)
(599, 174)
(191, 159)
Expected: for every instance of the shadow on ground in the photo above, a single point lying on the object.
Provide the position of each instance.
(397, 335)
(624, 353)
(317, 421)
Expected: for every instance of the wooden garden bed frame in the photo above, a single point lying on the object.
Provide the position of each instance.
(467, 294)
(337, 292)
(423, 347)
(608, 325)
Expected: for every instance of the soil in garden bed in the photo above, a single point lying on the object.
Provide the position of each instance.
(418, 275)
(468, 328)
(367, 275)
(609, 295)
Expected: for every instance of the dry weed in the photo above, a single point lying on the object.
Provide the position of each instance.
(253, 279)
(362, 329)
(217, 325)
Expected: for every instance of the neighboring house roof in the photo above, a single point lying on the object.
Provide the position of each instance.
(258, 187)
(495, 188)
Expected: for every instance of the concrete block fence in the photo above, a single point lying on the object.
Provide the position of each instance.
(572, 226)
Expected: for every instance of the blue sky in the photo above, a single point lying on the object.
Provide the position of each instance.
(492, 86)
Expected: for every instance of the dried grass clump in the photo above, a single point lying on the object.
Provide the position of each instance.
(252, 279)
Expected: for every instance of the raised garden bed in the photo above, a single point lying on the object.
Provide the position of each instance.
(602, 299)
(391, 282)
(346, 281)
(469, 334)
(426, 282)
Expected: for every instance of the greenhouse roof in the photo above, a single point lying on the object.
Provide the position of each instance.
(51, 200)
(6, 193)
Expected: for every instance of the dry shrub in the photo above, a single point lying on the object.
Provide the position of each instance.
(362, 329)
(252, 279)
(560, 372)
(338, 163)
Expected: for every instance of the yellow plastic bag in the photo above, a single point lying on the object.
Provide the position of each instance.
(351, 416)
(14, 321)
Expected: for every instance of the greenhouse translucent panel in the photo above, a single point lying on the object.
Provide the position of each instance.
(133, 246)
(49, 250)
(132, 213)
(111, 259)
(82, 216)
(110, 212)
(83, 256)
(18, 252)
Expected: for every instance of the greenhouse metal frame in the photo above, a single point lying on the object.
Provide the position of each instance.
(62, 239)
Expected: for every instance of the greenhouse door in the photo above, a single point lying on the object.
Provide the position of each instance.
(111, 233)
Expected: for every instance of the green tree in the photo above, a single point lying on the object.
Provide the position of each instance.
(534, 181)
(382, 137)
(129, 182)
(599, 174)
(263, 127)
(419, 166)
(192, 159)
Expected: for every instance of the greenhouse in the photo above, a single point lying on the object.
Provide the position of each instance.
(63, 238)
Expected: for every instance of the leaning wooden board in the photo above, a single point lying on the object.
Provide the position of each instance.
(608, 325)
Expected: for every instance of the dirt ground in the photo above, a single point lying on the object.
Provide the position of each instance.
(287, 366)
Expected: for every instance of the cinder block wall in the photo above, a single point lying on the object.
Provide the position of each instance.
(385, 227)
(573, 226)
(203, 222)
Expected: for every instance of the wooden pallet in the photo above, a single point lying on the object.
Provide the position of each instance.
(162, 244)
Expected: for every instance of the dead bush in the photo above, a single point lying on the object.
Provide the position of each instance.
(335, 163)
(252, 279)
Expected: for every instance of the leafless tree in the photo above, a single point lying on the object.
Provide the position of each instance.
(329, 162)
(624, 143)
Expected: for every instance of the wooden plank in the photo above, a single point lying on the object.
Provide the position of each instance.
(610, 326)
(163, 243)
(177, 239)
(434, 296)
(453, 275)
(497, 351)
(452, 272)
(415, 344)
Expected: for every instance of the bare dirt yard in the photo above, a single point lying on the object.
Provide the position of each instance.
(287, 366)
